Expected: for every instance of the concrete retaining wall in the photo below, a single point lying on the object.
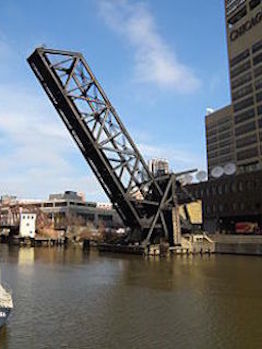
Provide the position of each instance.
(239, 248)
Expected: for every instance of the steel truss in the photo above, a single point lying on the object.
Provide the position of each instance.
(145, 204)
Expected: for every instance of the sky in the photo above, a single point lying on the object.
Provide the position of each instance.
(161, 63)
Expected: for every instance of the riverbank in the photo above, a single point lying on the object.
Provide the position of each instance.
(238, 244)
(195, 244)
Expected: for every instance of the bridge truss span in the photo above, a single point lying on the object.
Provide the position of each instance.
(145, 203)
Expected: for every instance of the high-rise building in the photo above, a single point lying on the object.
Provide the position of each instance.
(220, 141)
(244, 43)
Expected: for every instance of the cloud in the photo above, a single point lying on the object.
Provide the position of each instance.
(37, 154)
(155, 61)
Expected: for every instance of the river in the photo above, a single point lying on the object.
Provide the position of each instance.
(65, 298)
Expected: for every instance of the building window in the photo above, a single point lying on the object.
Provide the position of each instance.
(243, 142)
(48, 204)
(220, 208)
(244, 104)
(225, 135)
(225, 151)
(240, 186)
(258, 71)
(241, 80)
(211, 147)
(212, 133)
(246, 115)
(240, 14)
(257, 46)
(251, 126)
(247, 154)
(259, 110)
(211, 140)
(213, 189)
(258, 84)
(257, 59)
(213, 155)
(60, 204)
(225, 143)
(260, 123)
(259, 97)
(242, 92)
(239, 58)
(254, 3)
(233, 187)
(239, 70)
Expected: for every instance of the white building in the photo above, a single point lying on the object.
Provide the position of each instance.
(27, 225)
(104, 205)
(159, 166)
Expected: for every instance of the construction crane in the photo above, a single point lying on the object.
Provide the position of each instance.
(147, 204)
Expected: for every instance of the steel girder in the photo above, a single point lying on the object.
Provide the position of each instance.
(142, 201)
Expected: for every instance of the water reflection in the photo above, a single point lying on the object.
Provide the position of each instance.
(4, 337)
(67, 298)
(26, 256)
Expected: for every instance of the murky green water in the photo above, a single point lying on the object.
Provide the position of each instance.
(68, 299)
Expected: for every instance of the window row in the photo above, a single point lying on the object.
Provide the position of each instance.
(232, 5)
(226, 188)
(222, 121)
(258, 84)
(241, 80)
(240, 69)
(257, 59)
(222, 160)
(240, 130)
(244, 104)
(243, 142)
(257, 46)
(254, 3)
(259, 97)
(225, 143)
(238, 16)
(247, 154)
(242, 92)
(221, 137)
(246, 115)
(239, 58)
(258, 71)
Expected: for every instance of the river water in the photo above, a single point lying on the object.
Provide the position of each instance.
(70, 299)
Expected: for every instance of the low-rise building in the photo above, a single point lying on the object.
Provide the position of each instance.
(62, 210)
(27, 225)
(230, 200)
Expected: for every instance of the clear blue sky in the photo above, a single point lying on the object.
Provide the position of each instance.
(160, 62)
